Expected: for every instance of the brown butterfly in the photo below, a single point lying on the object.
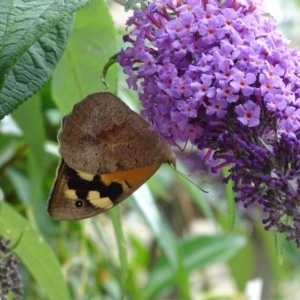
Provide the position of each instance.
(107, 152)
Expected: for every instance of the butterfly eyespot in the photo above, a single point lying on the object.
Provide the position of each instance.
(79, 203)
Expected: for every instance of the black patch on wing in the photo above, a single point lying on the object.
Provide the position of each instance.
(82, 187)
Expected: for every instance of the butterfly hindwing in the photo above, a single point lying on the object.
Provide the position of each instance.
(77, 195)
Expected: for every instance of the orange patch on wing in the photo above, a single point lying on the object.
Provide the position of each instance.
(130, 178)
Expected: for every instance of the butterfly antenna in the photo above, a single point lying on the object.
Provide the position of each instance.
(181, 148)
(189, 180)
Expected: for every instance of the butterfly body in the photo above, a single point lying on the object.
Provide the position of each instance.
(107, 153)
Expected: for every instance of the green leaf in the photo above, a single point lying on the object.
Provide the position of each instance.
(117, 224)
(29, 118)
(92, 43)
(21, 185)
(33, 35)
(34, 253)
(198, 252)
(147, 208)
(167, 241)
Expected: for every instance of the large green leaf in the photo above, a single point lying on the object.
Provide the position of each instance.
(92, 43)
(33, 35)
(34, 253)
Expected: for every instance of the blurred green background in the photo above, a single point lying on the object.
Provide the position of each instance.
(169, 240)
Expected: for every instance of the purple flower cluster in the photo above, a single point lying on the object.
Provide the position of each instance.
(219, 75)
(10, 279)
